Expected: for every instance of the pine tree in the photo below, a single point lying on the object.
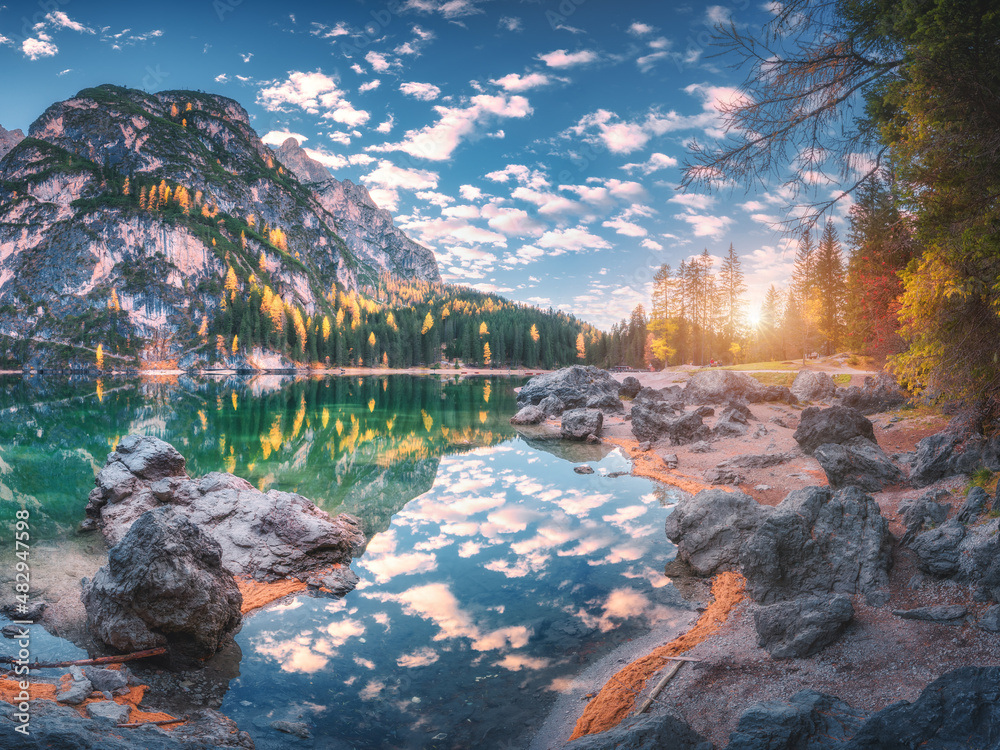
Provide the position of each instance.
(828, 278)
(803, 288)
(733, 289)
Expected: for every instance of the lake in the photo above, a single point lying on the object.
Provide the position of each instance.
(493, 573)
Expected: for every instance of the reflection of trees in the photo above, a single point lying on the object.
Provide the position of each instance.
(363, 445)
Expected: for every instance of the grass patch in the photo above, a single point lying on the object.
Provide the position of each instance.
(843, 379)
(983, 477)
(750, 366)
(774, 378)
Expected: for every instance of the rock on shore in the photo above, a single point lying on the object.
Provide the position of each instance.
(576, 387)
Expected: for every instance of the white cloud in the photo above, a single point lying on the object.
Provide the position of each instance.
(656, 161)
(59, 19)
(380, 63)
(617, 136)
(717, 14)
(369, 86)
(531, 178)
(646, 62)
(328, 160)
(574, 239)
(651, 244)
(627, 228)
(437, 142)
(358, 69)
(63, 72)
(388, 175)
(35, 49)
(693, 201)
(512, 222)
(438, 199)
(511, 23)
(385, 127)
(5, 40)
(425, 92)
(560, 58)
(516, 83)
(222, 78)
(470, 192)
(640, 29)
(247, 57)
(277, 137)
(704, 225)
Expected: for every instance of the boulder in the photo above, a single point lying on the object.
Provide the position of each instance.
(809, 720)
(949, 614)
(338, 581)
(605, 402)
(109, 711)
(720, 386)
(723, 476)
(922, 512)
(989, 620)
(77, 689)
(705, 411)
(818, 541)
(759, 460)
(837, 425)
(813, 386)
(958, 710)
(802, 627)
(710, 528)
(858, 462)
(264, 535)
(552, 406)
(530, 414)
(57, 726)
(645, 732)
(164, 585)
(574, 386)
(937, 549)
(979, 560)
(956, 450)
(106, 680)
(657, 423)
(876, 395)
(653, 397)
(630, 387)
(974, 505)
(733, 421)
(577, 424)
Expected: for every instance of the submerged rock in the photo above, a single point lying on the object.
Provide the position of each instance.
(264, 535)
(838, 424)
(575, 386)
(710, 528)
(578, 424)
(802, 627)
(164, 585)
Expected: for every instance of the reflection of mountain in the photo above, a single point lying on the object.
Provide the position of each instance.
(363, 445)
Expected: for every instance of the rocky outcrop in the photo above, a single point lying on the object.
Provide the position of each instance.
(733, 422)
(9, 139)
(303, 166)
(630, 387)
(579, 424)
(575, 386)
(720, 386)
(645, 732)
(758, 460)
(802, 627)
(974, 505)
(858, 462)
(922, 512)
(56, 726)
(956, 450)
(264, 535)
(552, 406)
(937, 549)
(949, 614)
(838, 424)
(817, 541)
(710, 529)
(530, 414)
(164, 585)
(807, 721)
(876, 395)
(810, 385)
(657, 422)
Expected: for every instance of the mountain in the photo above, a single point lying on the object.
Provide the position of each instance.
(9, 139)
(124, 215)
(368, 230)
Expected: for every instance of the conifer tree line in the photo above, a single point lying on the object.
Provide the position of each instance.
(699, 313)
(398, 323)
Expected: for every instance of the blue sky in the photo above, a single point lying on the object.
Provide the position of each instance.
(536, 147)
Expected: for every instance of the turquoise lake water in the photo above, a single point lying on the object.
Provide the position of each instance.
(493, 573)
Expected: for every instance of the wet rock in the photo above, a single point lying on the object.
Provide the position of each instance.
(583, 469)
(338, 582)
(630, 387)
(838, 424)
(645, 732)
(974, 505)
(577, 424)
(876, 395)
(552, 406)
(818, 541)
(264, 535)
(958, 710)
(802, 627)
(109, 711)
(164, 585)
(937, 549)
(723, 476)
(649, 423)
(530, 414)
(858, 462)
(807, 721)
(106, 680)
(574, 386)
(710, 528)
(296, 728)
(56, 726)
(77, 690)
(813, 386)
(949, 614)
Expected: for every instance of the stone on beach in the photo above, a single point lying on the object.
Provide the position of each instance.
(575, 386)
(710, 528)
(838, 424)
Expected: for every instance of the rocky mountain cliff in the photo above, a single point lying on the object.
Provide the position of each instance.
(368, 230)
(9, 139)
(123, 214)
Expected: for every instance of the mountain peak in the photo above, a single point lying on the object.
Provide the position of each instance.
(307, 169)
(9, 139)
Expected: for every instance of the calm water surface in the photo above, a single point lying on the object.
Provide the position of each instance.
(493, 573)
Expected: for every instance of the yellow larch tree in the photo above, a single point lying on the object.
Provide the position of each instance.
(428, 323)
(533, 333)
(236, 343)
(232, 283)
(371, 339)
(277, 313)
(487, 354)
(173, 110)
(203, 330)
(326, 328)
(581, 346)
(483, 330)
(127, 187)
(100, 356)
